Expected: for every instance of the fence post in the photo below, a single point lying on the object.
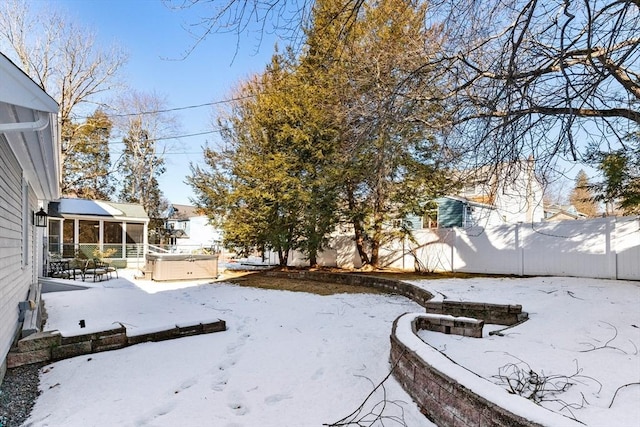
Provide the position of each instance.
(519, 249)
(610, 250)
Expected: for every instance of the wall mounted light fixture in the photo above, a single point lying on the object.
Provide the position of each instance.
(40, 218)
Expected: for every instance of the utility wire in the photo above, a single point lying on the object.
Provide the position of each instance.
(168, 110)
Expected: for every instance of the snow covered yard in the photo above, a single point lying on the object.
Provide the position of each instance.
(287, 359)
(296, 359)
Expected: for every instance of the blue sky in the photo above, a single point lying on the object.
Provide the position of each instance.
(155, 40)
(153, 35)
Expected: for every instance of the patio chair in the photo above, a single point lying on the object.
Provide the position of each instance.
(107, 267)
(75, 268)
(59, 269)
(92, 269)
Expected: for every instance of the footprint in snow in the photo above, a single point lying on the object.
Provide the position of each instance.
(236, 403)
(219, 383)
(318, 374)
(275, 398)
(152, 415)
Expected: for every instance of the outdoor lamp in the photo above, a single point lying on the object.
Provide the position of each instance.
(40, 218)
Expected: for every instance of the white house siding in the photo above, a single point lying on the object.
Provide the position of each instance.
(201, 234)
(513, 191)
(519, 201)
(29, 172)
(17, 276)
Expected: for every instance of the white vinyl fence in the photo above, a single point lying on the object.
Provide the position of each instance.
(598, 248)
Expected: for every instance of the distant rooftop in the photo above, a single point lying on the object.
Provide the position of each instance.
(184, 212)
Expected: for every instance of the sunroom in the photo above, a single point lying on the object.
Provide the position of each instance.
(86, 229)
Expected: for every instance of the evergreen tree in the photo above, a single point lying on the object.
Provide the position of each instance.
(272, 183)
(86, 174)
(341, 135)
(621, 181)
(390, 158)
(582, 197)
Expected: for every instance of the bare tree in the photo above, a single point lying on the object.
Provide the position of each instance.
(551, 77)
(522, 77)
(145, 125)
(256, 17)
(62, 57)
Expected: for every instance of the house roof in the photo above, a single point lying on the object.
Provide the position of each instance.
(469, 202)
(184, 212)
(64, 208)
(557, 212)
(29, 124)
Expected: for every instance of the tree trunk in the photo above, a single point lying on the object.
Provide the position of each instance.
(358, 230)
(313, 260)
(282, 259)
(375, 240)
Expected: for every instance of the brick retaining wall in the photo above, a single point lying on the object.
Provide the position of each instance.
(51, 346)
(447, 393)
(498, 314)
(447, 400)
(446, 324)
(419, 295)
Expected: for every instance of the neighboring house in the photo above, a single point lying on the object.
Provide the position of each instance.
(562, 213)
(29, 179)
(507, 194)
(189, 229)
(456, 211)
(86, 228)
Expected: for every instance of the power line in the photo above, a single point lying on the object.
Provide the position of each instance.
(163, 138)
(168, 110)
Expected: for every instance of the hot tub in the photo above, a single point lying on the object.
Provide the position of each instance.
(181, 266)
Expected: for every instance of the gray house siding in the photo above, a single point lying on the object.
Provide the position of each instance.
(450, 213)
(17, 260)
(414, 222)
(29, 178)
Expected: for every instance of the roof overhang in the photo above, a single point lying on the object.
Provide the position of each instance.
(29, 124)
(470, 202)
(95, 210)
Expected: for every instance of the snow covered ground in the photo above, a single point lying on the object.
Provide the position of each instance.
(296, 359)
(287, 359)
(585, 329)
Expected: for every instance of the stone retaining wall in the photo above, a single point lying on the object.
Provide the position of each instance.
(51, 346)
(447, 400)
(421, 296)
(499, 314)
(446, 324)
(444, 391)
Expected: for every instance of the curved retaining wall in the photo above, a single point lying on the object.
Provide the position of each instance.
(421, 296)
(446, 392)
(497, 314)
(451, 395)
